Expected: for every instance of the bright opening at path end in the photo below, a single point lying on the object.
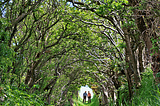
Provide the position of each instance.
(83, 89)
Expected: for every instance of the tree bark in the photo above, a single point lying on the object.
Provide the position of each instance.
(143, 26)
(128, 74)
(141, 67)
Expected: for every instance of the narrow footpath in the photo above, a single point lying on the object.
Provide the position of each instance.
(79, 102)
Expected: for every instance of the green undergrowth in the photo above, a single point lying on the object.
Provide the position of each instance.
(148, 94)
(14, 96)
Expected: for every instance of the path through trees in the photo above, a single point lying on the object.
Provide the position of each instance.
(52, 48)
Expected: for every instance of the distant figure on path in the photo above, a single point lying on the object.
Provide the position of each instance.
(84, 97)
(89, 97)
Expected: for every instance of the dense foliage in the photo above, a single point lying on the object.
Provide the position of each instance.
(49, 49)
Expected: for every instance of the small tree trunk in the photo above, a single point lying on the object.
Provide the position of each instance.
(27, 77)
(70, 101)
(141, 68)
(128, 74)
(131, 57)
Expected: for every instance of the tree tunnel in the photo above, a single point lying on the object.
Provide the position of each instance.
(49, 49)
